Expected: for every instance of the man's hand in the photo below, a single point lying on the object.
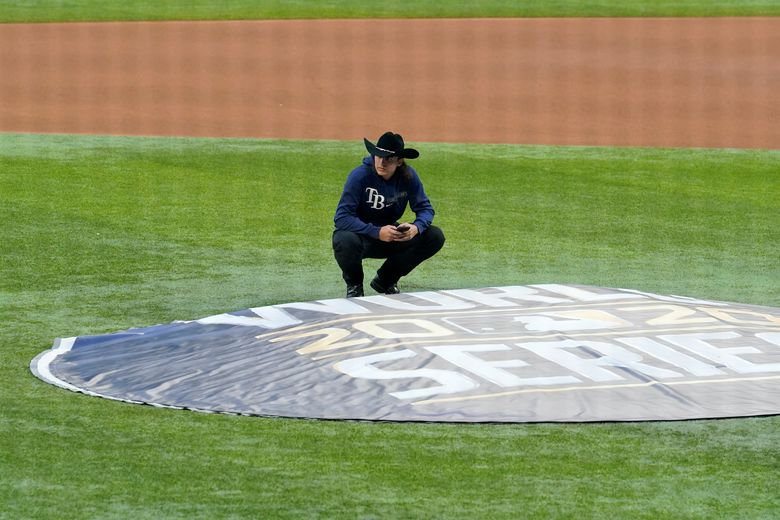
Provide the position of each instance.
(410, 232)
(390, 233)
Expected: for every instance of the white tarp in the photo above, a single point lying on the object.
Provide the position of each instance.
(500, 354)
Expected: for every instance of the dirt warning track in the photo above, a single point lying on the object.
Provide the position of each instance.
(709, 82)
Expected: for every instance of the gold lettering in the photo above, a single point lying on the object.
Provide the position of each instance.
(332, 340)
(427, 329)
(727, 315)
(674, 315)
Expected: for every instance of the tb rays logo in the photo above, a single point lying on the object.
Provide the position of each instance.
(376, 200)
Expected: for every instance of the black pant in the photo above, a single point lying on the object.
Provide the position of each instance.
(350, 249)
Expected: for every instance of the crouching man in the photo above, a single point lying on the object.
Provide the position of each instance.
(375, 197)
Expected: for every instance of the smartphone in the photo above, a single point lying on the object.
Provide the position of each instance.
(403, 228)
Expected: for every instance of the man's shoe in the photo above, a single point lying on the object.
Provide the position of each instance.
(378, 286)
(353, 291)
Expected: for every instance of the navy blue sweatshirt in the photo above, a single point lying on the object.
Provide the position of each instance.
(370, 202)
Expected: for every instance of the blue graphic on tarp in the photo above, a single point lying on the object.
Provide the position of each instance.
(499, 354)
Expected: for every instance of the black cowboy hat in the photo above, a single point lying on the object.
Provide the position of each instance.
(390, 144)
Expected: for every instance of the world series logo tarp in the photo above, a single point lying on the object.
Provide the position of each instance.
(539, 353)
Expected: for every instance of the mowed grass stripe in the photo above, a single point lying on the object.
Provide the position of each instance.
(19, 11)
(100, 234)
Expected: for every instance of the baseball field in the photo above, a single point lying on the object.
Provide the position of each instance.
(100, 233)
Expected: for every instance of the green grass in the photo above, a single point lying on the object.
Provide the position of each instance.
(98, 234)
(105, 10)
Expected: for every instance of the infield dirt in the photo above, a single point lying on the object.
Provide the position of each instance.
(689, 82)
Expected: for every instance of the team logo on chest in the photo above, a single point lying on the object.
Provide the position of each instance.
(376, 200)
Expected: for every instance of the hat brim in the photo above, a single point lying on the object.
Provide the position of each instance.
(406, 153)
